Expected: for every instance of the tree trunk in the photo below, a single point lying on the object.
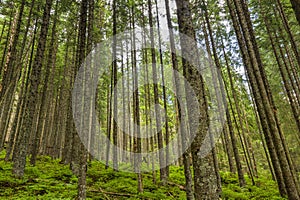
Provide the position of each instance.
(20, 162)
(115, 89)
(181, 113)
(43, 106)
(80, 143)
(296, 8)
(136, 111)
(263, 96)
(163, 172)
(205, 180)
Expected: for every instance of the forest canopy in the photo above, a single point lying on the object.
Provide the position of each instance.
(179, 99)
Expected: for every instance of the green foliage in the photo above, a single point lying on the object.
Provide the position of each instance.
(47, 180)
(177, 175)
(264, 188)
(51, 180)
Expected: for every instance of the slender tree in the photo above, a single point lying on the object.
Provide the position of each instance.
(163, 172)
(181, 113)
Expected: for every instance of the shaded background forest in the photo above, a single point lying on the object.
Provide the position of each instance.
(254, 45)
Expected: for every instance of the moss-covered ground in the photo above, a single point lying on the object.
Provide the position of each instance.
(51, 180)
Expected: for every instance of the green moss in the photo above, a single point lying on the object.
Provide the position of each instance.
(51, 180)
(264, 188)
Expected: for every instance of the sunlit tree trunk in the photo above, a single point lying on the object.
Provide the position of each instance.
(11, 28)
(136, 109)
(163, 172)
(11, 74)
(161, 62)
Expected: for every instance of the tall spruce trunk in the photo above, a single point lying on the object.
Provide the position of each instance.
(20, 161)
(163, 172)
(205, 179)
(136, 108)
(84, 122)
(263, 95)
(163, 90)
(115, 81)
(11, 75)
(43, 105)
(181, 113)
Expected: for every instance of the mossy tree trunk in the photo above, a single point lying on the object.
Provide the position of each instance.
(205, 179)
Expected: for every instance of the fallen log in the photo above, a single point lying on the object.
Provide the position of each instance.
(175, 184)
(113, 193)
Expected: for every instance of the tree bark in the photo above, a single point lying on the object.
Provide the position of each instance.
(20, 162)
(136, 111)
(263, 95)
(43, 106)
(181, 113)
(205, 180)
(163, 172)
(80, 143)
(296, 8)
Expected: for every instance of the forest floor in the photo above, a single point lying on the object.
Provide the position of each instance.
(51, 180)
